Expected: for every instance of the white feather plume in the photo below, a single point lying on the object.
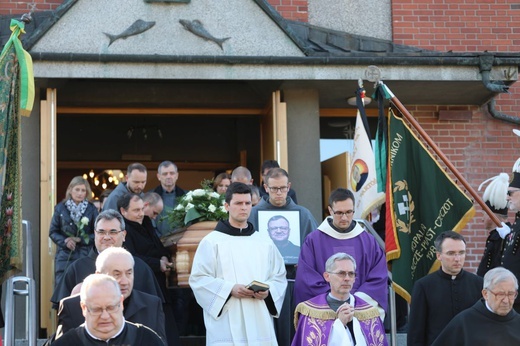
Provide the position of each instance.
(516, 166)
(496, 191)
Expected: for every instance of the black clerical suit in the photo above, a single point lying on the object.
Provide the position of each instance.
(132, 335)
(436, 299)
(139, 307)
(144, 279)
(142, 242)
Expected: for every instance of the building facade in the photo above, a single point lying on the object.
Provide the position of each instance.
(212, 85)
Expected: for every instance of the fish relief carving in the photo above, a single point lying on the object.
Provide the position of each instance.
(137, 28)
(196, 28)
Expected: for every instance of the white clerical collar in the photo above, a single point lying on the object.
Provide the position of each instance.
(488, 307)
(115, 336)
(341, 300)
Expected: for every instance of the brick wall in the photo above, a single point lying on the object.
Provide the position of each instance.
(292, 9)
(458, 25)
(10, 7)
(478, 151)
(483, 147)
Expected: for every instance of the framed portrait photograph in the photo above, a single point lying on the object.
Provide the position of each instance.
(283, 228)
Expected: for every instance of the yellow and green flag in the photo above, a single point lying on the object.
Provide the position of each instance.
(16, 99)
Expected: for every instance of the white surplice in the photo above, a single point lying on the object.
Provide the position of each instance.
(221, 261)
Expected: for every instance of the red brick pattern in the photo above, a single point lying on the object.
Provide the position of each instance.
(292, 9)
(289, 9)
(10, 7)
(479, 149)
(457, 25)
(484, 147)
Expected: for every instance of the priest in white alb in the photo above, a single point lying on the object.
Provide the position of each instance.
(226, 261)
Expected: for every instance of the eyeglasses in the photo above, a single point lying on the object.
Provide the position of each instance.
(343, 274)
(502, 295)
(281, 228)
(103, 233)
(511, 192)
(99, 310)
(278, 189)
(455, 254)
(341, 213)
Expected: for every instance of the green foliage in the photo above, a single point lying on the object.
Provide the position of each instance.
(198, 205)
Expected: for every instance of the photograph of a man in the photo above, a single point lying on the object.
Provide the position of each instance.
(279, 230)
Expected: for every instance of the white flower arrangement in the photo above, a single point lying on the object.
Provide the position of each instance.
(197, 205)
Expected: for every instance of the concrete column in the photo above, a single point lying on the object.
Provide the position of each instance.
(303, 136)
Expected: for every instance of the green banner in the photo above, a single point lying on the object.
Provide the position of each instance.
(16, 99)
(424, 202)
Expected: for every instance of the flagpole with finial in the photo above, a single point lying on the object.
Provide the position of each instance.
(395, 101)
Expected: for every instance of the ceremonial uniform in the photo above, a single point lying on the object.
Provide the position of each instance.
(511, 254)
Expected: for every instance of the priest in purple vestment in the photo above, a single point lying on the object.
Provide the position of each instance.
(340, 233)
(337, 317)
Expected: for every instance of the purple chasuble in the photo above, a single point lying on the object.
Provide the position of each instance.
(371, 267)
(314, 319)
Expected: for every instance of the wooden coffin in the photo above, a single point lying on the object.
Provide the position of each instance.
(183, 244)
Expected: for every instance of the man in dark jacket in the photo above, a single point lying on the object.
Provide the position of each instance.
(439, 296)
(136, 175)
(139, 307)
(142, 242)
(102, 306)
(167, 174)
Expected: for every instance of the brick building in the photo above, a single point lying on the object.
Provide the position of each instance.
(432, 55)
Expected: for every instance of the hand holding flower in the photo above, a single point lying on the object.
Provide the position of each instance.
(70, 242)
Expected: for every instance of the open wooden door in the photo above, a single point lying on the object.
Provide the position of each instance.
(335, 174)
(274, 131)
(47, 203)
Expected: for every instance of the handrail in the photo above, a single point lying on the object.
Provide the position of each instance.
(391, 293)
(29, 293)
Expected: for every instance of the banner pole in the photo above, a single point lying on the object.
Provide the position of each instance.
(443, 157)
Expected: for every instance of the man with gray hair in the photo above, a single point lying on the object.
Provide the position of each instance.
(140, 307)
(342, 318)
(167, 174)
(153, 207)
(109, 231)
(102, 306)
(492, 320)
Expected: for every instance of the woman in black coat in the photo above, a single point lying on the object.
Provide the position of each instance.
(72, 226)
